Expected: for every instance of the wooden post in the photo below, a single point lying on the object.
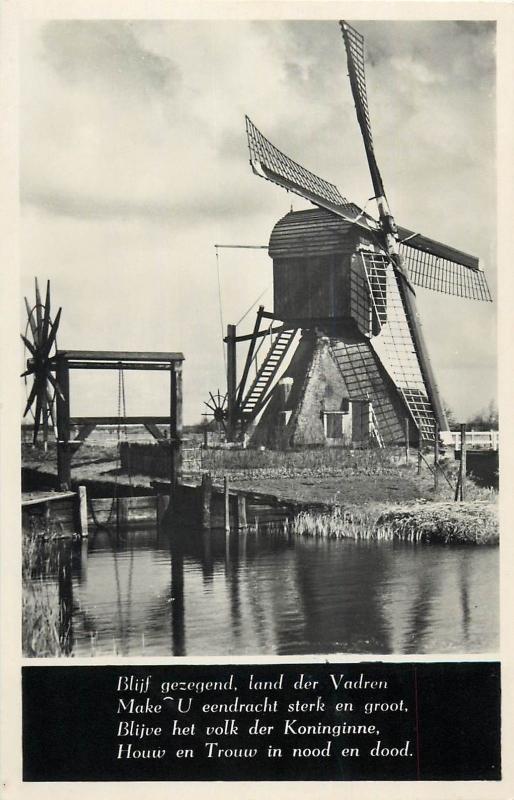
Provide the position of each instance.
(226, 497)
(420, 446)
(436, 456)
(82, 511)
(407, 442)
(175, 427)
(63, 424)
(463, 459)
(231, 382)
(241, 511)
(206, 497)
(205, 437)
(122, 511)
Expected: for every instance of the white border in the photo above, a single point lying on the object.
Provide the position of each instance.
(10, 642)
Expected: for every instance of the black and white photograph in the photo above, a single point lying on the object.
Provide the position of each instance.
(258, 357)
(255, 407)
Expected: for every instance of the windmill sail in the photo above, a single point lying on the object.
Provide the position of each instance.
(431, 264)
(354, 43)
(441, 268)
(267, 161)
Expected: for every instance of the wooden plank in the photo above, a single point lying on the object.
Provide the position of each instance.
(101, 503)
(141, 501)
(35, 498)
(128, 510)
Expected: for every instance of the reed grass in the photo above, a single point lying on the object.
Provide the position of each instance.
(435, 522)
(40, 608)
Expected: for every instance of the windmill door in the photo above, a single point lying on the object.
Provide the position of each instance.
(337, 425)
(361, 423)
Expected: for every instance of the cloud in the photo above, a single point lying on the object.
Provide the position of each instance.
(107, 53)
(213, 205)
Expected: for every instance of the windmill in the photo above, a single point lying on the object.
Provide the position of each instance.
(217, 413)
(40, 340)
(361, 369)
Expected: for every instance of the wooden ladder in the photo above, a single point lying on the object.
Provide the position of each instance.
(258, 392)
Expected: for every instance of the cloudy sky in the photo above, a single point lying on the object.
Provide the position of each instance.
(134, 165)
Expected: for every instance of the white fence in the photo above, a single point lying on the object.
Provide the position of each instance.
(477, 440)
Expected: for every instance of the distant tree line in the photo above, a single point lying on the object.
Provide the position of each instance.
(484, 420)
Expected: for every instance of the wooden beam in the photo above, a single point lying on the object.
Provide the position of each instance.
(461, 486)
(249, 355)
(84, 432)
(116, 420)
(141, 366)
(119, 355)
(154, 431)
(63, 425)
(248, 336)
(226, 503)
(231, 382)
(175, 423)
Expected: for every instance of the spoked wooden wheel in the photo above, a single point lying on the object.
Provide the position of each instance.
(218, 410)
(41, 344)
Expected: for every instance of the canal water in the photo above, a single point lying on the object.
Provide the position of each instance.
(156, 593)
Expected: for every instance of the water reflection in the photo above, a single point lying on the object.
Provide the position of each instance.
(172, 592)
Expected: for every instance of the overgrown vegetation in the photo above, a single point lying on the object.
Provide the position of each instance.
(443, 523)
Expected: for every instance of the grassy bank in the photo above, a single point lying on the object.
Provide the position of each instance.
(436, 522)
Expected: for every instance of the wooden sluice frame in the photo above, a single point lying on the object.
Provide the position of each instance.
(66, 360)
